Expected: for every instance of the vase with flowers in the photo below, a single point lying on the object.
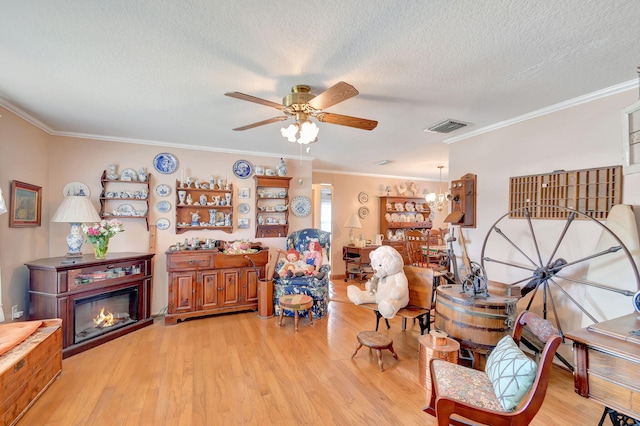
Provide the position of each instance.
(100, 233)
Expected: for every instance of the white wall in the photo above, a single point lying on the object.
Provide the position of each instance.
(584, 136)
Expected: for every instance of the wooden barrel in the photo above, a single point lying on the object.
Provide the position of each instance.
(477, 322)
(435, 345)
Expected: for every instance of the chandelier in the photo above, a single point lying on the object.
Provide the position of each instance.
(437, 200)
(303, 131)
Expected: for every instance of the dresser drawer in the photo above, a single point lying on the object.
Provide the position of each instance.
(189, 261)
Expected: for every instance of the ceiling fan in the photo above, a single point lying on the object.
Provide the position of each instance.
(302, 105)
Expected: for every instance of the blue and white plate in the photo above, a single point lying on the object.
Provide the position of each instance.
(163, 190)
(162, 223)
(301, 206)
(165, 163)
(163, 206)
(243, 208)
(242, 169)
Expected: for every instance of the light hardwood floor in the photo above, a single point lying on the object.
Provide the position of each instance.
(238, 369)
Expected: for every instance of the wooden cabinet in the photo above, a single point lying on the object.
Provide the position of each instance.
(400, 213)
(124, 199)
(207, 282)
(272, 206)
(214, 208)
(60, 287)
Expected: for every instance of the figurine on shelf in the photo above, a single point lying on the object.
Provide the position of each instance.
(197, 184)
(227, 219)
(281, 168)
(142, 175)
(111, 174)
(195, 217)
(187, 182)
(189, 200)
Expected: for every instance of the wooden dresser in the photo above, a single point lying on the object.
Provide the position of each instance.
(607, 358)
(207, 282)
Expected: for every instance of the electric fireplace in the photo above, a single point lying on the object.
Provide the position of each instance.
(97, 300)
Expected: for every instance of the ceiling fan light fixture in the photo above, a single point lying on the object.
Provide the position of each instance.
(302, 131)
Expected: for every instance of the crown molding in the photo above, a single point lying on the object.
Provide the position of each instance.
(609, 91)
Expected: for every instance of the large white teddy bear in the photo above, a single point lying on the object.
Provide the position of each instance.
(388, 287)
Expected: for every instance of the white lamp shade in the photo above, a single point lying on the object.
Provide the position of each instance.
(76, 209)
(353, 222)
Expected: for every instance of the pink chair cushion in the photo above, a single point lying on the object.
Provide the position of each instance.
(466, 385)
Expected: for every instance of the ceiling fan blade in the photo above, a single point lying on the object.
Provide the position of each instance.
(345, 120)
(337, 93)
(262, 123)
(250, 98)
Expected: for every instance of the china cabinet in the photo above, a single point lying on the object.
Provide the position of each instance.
(398, 214)
(207, 282)
(272, 206)
(200, 208)
(125, 197)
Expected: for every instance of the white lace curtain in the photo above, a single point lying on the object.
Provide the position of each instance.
(3, 209)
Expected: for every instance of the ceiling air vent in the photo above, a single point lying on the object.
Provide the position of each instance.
(446, 126)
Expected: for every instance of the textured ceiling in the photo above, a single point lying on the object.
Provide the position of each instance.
(157, 70)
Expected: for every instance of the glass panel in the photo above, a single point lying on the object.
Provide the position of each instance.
(104, 313)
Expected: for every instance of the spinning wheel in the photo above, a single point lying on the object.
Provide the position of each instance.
(563, 267)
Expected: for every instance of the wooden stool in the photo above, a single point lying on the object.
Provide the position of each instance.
(377, 341)
(295, 303)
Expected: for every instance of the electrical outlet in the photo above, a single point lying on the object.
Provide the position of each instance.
(15, 313)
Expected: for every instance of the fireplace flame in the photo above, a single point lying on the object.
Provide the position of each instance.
(103, 320)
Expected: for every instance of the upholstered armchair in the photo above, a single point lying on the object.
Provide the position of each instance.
(315, 282)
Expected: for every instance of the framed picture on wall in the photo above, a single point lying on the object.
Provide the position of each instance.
(26, 205)
(243, 192)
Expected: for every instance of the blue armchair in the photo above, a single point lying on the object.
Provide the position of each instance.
(316, 286)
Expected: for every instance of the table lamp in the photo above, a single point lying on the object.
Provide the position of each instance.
(75, 209)
(352, 223)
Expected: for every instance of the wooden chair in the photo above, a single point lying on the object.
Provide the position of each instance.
(415, 242)
(481, 404)
(438, 260)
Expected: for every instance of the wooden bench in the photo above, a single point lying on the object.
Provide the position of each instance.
(420, 299)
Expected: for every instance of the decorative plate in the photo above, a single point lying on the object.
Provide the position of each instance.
(165, 163)
(163, 190)
(387, 216)
(126, 210)
(162, 223)
(242, 169)
(243, 208)
(419, 217)
(636, 302)
(363, 212)
(163, 206)
(301, 206)
(129, 175)
(77, 189)
(363, 197)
